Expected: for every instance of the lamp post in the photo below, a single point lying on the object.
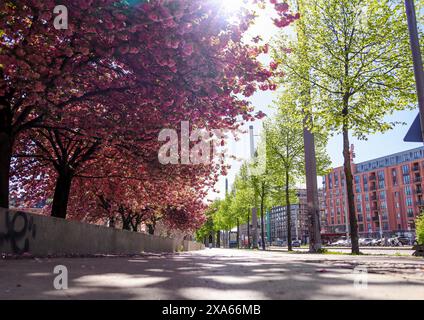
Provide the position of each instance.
(312, 190)
(416, 57)
(254, 210)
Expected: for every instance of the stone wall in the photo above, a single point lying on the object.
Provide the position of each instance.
(39, 235)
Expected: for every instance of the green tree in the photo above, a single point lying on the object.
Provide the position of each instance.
(209, 228)
(358, 66)
(243, 201)
(285, 150)
(261, 183)
(419, 229)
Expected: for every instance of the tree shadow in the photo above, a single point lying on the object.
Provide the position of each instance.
(205, 275)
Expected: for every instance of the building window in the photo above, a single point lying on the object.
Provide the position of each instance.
(380, 175)
(381, 184)
(408, 190)
(406, 179)
(409, 202)
(358, 188)
(405, 169)
(410, 212)
(394, 172)
(382, 195)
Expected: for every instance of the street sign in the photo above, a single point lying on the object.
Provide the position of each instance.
(414, 132)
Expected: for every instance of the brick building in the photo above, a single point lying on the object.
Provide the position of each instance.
(388, 195)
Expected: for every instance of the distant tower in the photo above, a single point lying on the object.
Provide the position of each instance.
(255, 230)
(226, 186)
(352, 153)
(252, 143)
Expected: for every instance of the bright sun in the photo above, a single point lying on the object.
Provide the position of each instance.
(232, 5)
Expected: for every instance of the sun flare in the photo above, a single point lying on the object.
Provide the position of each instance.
(233, 5)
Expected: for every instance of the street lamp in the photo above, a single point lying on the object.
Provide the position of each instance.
(416, 57)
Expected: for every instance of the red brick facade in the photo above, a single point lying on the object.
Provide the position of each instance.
(388, 195)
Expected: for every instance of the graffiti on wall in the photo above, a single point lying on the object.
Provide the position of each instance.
(19, 229)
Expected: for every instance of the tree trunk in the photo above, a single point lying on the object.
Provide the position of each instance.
(151, 229)
(5, 159)
(312, 189)
(218, 239)
(238, 233)
(126, 225)
(248, 228)
(112, 222)
(350, 196)
(288, 212)
(262, 218)
(61, 194)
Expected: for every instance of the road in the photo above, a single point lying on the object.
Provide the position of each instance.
(402, 251)
(217, 274)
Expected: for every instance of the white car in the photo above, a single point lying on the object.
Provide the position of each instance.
(365, 241)
(339, 243)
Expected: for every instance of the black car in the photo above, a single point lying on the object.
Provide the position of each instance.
(404, 240)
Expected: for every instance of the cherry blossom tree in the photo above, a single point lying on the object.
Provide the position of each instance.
(73, 102)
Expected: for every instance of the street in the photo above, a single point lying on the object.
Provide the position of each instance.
(401, 251)
(217, 274)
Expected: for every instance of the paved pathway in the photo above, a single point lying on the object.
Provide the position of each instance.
(217, 274)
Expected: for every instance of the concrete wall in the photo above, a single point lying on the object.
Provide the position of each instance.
(38, 235)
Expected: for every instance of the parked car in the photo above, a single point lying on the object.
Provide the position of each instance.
(405, 240)
(279, 243)
(395, 242)
(365, 241)
(296, 243)
(377, 242)
(341, 243)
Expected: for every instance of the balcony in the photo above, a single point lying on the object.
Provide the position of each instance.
(373, 187)
(416, 167)
(372, 178)
(419, 191)
(375, 218)
(420, 203)
(374, 198)
(417, 179)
